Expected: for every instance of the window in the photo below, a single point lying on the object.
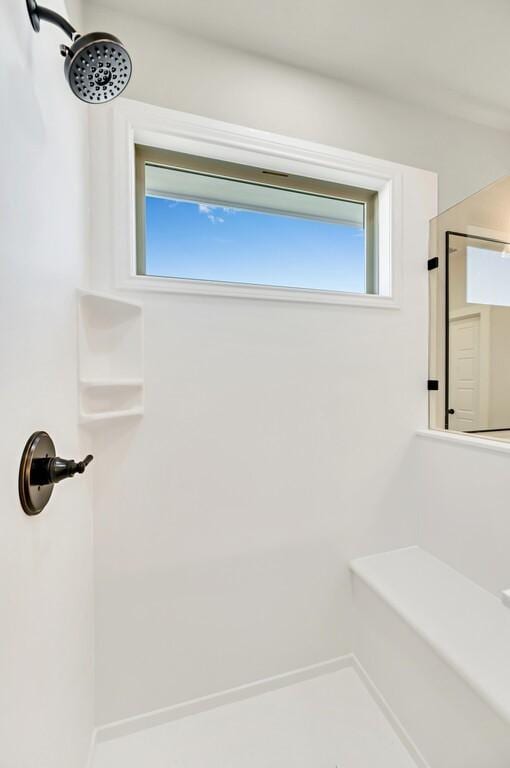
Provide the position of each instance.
(209, 220)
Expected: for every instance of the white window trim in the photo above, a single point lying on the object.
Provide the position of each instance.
(135, 122)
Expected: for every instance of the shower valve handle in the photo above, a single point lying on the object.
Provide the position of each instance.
(59, 469)
(41, 469)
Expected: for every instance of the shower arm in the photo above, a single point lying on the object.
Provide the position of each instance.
(39, 12)
(94, 74)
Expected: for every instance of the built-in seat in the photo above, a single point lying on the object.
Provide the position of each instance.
(438, 648)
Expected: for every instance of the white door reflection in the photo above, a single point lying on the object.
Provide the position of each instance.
(478, 336)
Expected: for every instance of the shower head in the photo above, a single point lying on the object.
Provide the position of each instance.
(97, 66)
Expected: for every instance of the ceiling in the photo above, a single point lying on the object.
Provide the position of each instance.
(451, 55)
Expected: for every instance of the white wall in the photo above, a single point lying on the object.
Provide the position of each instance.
(278, 439)
(174, 70)
(225, 518)
(272, 451)
(46, 637)
(463, 508)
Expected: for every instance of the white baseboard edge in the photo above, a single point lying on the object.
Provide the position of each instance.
(92, 748)
(393, 720)
(194, 706)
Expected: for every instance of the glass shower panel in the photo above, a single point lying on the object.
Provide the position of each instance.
(470, 316)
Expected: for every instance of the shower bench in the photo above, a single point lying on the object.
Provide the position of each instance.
(437, 646)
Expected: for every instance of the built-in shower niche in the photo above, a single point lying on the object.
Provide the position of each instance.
(110, 340)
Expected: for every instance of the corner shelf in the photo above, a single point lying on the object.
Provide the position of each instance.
(110, 343)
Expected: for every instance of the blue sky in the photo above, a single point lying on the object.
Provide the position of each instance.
(206, 242)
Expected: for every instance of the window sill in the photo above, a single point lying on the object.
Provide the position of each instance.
(456, 438)
(267, 292)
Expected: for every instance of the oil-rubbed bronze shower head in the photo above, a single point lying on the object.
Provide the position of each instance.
(97, 66)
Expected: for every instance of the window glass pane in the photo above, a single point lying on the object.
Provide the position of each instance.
(488, 275)
(205, 227)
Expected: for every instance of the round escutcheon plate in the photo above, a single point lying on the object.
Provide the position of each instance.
(34, 496)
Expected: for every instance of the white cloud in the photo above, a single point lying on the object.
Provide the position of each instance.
(208, 210)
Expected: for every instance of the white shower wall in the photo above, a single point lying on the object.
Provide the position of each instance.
(172, 69)
(463, 508)
(267, 457)
(278, 439)
(226, 517)
(46, 582)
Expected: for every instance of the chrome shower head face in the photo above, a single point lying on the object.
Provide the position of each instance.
(97, 67)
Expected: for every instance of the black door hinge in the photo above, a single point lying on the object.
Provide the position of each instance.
(433, 263)
(432, 385)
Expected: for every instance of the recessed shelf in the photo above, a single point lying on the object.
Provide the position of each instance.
(108, 415)
(111, 383)
(110, 357)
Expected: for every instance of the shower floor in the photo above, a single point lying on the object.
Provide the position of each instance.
(330, 721)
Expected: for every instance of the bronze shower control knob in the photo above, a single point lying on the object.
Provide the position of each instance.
(41, 469)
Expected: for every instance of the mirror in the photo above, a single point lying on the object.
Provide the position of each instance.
(477, 341)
